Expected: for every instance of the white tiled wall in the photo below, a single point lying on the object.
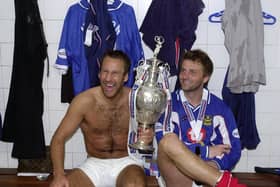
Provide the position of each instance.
(209, 37)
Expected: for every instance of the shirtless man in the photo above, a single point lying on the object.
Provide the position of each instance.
(102, 113)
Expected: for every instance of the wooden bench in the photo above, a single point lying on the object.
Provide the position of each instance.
(8, 178)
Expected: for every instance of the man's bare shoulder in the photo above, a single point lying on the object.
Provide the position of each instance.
(90, 93)
(87, 97)
(94, 95)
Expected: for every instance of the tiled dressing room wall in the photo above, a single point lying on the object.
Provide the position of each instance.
(209, 38)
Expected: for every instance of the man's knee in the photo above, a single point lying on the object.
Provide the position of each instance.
(132, 176)
(78, 178)
(168, 141)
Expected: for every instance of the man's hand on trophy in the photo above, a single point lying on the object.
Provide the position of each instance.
(145, 134)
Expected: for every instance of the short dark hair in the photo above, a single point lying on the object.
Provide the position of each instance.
(117, 54)
(201, 57)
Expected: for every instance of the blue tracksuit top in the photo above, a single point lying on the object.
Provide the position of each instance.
(71, 51)
(84, 59)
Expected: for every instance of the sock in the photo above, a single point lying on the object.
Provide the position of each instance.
(227, 180)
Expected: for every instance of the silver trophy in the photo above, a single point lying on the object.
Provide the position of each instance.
(151, 99)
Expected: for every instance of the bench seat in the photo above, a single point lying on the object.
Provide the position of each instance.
(8, 178)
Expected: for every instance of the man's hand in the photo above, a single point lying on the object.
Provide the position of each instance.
(218, 150)
(146, 134)
(59, 181)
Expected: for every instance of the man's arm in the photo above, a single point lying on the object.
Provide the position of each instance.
(65, 130)
(228, 136)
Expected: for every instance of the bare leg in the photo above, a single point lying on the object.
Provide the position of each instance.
(131, 176)
(173, 152)
(78, 178)
(172, 175)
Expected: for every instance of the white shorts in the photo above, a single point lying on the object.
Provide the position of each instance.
(104, 172)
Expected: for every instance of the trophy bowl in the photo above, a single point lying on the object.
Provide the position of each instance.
(150, 103)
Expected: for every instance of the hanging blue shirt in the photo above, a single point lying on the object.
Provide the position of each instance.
(243, 107)
(176, 21)
(99, 21)
(71, 52)
(87, 33)
(128, 37)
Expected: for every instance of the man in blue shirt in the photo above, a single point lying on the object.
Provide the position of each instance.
(199, 122)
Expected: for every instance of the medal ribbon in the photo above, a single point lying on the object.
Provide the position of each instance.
(196, 124)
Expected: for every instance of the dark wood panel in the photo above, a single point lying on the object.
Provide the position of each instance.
(258, 179)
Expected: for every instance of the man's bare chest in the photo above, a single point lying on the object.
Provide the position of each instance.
(108, 117)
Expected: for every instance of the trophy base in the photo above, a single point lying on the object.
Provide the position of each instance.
(142, 147)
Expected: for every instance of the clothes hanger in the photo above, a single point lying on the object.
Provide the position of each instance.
(269, 19)
(216, 18)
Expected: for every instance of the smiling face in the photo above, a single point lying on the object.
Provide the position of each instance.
(112, 76)
(191, 76)
(195, 68)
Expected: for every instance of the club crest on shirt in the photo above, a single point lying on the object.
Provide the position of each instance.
(207, 121)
